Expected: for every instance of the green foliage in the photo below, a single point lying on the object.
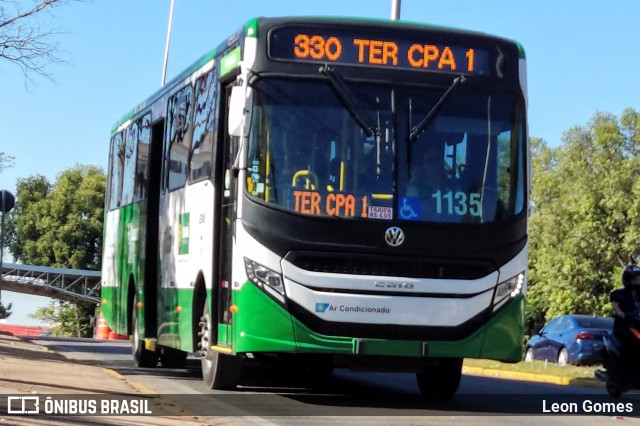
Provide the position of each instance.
(59, 225)
(536, 367)
(585, 219)
(67, 319)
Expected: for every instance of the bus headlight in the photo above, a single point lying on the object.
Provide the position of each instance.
(268, 280)
(507, 289)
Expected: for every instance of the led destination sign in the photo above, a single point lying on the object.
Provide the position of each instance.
(347, 47)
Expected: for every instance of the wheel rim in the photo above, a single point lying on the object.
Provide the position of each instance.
(563, 357)
(205, 359)
(528, 357)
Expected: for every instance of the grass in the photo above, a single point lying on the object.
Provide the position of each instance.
(537, 367)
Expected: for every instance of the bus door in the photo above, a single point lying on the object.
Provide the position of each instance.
(154, 191)
(226, 187)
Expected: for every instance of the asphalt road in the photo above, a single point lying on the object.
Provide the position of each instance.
(272, 394)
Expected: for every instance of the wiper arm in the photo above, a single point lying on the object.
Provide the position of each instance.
(422, 125)
(348, 100)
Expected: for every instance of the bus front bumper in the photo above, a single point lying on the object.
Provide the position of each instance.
(262, 325)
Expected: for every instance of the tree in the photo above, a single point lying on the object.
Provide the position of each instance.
(22, 233)
(23, 41)
(60, 225)
(585, 221)
(66, 318)
(6, 161)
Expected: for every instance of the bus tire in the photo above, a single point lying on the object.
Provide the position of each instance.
(440, 380)
(142, 357)
(219, 371)
(173, 358)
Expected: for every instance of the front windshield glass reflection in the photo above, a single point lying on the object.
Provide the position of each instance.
(307, 153)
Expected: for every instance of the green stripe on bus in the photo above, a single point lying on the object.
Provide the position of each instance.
(251, 29)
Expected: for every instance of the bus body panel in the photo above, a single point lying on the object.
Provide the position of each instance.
(111, 267)
(186, 256)
(123, 265)
(261, 325)
(481, 328)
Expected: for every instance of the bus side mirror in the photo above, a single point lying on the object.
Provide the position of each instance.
(236, 111)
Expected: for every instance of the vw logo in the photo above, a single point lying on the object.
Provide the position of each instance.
(394, 236)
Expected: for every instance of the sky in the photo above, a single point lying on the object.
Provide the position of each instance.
(582, 58)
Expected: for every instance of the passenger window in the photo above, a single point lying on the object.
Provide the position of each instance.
(142, 163)
(130, 149)
(179, 135)
(204, 127)
(117, 169)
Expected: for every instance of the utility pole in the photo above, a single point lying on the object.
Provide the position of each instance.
(395, 9)
(166, 47)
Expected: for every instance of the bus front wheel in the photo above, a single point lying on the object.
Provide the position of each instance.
(440, 380)
(219, 370)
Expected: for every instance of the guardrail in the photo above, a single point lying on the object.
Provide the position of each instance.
(76, 285)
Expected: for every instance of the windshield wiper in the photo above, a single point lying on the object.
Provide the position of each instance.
(349, 100)
(422, 125)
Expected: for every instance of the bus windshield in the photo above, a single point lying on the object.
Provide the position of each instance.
(352, 155)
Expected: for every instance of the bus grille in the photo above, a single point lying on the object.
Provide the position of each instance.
(349, 263)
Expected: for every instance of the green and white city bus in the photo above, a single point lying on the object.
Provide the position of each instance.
(334, 192)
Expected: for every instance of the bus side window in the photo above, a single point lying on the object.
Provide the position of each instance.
(130, 150)
(116, 172)
(142, 158)
(203, 128)
(179, 133)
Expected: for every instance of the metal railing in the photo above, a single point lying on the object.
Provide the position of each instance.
(75, 285)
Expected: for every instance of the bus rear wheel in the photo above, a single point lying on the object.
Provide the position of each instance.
(142, 357)
(440, 380)
(219, 371)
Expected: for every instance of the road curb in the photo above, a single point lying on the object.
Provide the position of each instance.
(531, 377)
(167, 404)
(140, 388)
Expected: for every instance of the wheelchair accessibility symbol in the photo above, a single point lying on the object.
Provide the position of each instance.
(409, 208)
